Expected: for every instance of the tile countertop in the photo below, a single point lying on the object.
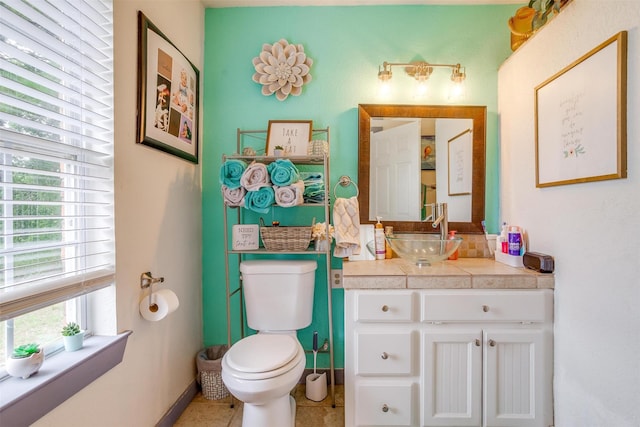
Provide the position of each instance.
(463, 273)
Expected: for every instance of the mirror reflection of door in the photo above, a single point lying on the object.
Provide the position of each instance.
(395, 170)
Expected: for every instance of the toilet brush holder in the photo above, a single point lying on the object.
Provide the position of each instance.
(316, 389)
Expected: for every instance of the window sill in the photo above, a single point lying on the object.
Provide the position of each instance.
(22, 402)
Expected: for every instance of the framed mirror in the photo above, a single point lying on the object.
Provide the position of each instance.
(448, 166)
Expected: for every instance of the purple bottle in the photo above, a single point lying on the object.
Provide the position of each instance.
(515, 241)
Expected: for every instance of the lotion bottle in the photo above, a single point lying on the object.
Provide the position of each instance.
(380, 241)
(452, 235)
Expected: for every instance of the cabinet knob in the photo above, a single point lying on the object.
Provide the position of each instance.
(485, 308)
(492, 343)
(384, 355)
(385, 308)
(385, 408)
(477, 342)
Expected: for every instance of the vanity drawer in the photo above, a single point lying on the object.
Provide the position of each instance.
(384, 307)
(487, 306)
(384, 353)
(385, 404)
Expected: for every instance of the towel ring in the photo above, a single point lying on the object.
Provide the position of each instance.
(345, 181)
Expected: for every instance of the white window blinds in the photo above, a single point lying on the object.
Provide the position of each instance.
(56, 151)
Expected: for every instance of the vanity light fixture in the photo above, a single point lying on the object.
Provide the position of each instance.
(421, 70)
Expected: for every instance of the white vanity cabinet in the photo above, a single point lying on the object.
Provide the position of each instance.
(448, 357)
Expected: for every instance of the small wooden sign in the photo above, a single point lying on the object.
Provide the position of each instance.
(244, 237)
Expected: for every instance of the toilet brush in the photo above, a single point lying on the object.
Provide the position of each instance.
(315, 350)
(316, 383)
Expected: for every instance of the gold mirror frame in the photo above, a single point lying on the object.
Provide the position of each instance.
(477, 113)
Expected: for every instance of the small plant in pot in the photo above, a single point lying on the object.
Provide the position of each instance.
(25, 360)
(278, 150)
(72, 336)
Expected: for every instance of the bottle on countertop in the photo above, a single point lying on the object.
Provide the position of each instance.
(379, 240)
(388, 232)
(515, 240)
(504, 239)
(452, 235)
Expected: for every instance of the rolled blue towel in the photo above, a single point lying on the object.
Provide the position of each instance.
(283, 172)
(260, 200)
(230, 173)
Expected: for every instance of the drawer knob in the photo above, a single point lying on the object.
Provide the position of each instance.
(385, 308)
(384, 355)
(477, 342)
(485, 308)
(492, 343)
(385, 408)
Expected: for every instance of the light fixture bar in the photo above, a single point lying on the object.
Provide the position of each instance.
(420, 70)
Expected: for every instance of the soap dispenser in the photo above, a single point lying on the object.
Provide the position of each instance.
(454, 255)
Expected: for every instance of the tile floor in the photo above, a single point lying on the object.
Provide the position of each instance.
(202, 412)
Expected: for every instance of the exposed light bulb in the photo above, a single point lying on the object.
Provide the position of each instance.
(421, 89)
(457, 91)
(384, 88)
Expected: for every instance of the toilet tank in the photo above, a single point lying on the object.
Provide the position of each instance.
(278, 294)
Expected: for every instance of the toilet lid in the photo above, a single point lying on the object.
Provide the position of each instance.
(262, 353)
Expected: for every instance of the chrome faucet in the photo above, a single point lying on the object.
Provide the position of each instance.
(440, 217)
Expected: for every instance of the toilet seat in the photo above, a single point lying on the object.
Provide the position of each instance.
(275, 354)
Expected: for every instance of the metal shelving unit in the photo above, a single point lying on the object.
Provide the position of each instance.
(237, 290)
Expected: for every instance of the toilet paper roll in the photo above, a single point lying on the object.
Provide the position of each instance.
(163, 303)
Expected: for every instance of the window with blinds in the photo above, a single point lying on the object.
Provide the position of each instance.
(56, 152)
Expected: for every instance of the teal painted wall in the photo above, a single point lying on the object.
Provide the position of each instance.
(347, 45)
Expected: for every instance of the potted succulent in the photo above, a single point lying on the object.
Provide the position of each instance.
(72, 336)
(278, 150)
(25, 360)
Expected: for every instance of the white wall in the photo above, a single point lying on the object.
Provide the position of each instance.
(591, 229)
(158, 229)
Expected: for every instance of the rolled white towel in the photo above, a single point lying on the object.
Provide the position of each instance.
(255, 177)
(233, 197)
(290, 195)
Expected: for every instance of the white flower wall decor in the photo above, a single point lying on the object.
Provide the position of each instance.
(282, 68)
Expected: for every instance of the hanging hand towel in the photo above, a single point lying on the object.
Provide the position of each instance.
(283, 172)
(233, 197)
(231, 171)
(346, 220)
(255, 177)
(290, 195)
(260, 200)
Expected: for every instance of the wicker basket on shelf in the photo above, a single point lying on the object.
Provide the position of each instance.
(279, 238)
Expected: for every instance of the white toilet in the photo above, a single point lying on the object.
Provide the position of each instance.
(262, 369)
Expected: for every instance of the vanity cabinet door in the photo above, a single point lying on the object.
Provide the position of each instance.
(385, 404)
(517, 376)
(452, 369)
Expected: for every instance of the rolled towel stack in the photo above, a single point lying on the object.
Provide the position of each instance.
(231, 172)
(259, 200)
(290, 195)
(233, 197)
(313, 187)
(283, 172)
(255, 177)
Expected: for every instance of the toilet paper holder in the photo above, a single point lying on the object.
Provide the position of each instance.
(146, 280)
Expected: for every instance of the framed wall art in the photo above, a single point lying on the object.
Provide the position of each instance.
(168, 94)
(581, 118)
(292, 136)
(428, 152)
